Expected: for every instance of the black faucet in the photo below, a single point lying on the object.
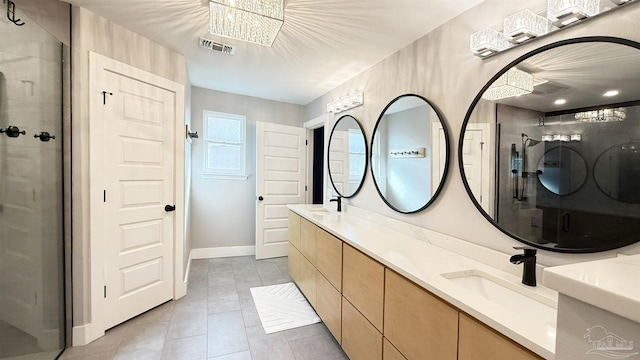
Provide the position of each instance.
(529, 260)
(338, 199)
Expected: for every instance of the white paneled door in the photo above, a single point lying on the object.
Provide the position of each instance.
(475, 154)
(280, 180)
(138, 181)
(339, 163)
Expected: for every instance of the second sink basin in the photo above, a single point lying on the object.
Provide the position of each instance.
(507, 294)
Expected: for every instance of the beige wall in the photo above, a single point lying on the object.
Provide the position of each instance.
(223, 212)
(440, 67)
(94, 33)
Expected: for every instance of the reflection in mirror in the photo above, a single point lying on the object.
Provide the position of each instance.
(562, 171)
(531, 137)
(617, 173)
(347, 156)
(409, 153)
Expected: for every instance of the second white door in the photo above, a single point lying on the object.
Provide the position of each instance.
(280, 180)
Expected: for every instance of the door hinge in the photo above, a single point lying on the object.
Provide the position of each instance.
(104, 195)
(306, 142)
(481, 145)
(105, 291)
(305, 188)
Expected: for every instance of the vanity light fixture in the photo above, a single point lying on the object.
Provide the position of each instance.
(547, 138)
(346, 102)
(524, 25)
(602, 115)
(563, 138)
(611, 93)
(514, 82)
(576, 137)
(565, 12)
(488, 42)
(254, 21)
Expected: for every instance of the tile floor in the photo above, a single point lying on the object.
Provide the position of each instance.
(216, 320)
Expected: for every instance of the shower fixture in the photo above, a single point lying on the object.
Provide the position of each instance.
(519, 173)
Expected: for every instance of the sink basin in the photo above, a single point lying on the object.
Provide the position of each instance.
(515, 297)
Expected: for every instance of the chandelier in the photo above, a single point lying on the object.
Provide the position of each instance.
(512, 83)
(254, 21)
(602, 115)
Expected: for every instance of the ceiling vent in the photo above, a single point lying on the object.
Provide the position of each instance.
(214, 46)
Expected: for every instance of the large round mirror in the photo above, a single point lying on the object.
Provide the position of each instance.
(347, 156)
(539, 127)
(562, 171)
(409, 153)
(617, 173)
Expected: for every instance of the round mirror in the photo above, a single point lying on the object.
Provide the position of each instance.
(409, 153)
(532, 133)
(347, 156)
(617, 171)
(562, 171)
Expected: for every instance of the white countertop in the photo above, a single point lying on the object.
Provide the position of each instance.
(610, 284)
(424, 263)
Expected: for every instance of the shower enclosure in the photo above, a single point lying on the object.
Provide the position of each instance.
(32, 320)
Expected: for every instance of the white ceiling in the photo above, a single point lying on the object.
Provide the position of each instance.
(322, 44)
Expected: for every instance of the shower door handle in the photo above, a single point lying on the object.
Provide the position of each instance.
(169, 208)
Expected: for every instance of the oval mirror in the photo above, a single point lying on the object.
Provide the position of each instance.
(617, 173)
(409, 153)
(347, 156)
(562, 171)
(533, 132)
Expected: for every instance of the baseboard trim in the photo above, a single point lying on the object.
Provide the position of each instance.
(84, 334)
(217, 252)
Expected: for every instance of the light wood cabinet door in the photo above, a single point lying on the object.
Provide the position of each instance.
(294, 259)
(389, 352)
(329, 306)
(307, 282)
(419, 324)
(329, 257)
(308, 240)
(360, 339)
(294, 229)
(363, 284)
(479, 342)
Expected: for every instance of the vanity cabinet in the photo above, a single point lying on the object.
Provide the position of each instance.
(294, 229)
(360, 339)
(363, 284)
(307, 281)
(308, 240)
(294, 264)
(329, 306)
(329, 257)
(389, 352)
(479, 342)
(417, 323)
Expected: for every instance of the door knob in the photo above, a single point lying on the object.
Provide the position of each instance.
(169, 208)
(260, 198)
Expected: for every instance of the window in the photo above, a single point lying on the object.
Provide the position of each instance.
(224, 136)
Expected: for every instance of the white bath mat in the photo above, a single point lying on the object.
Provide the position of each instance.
(282, 307)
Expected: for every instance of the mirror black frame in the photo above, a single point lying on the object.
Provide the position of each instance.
(366, 157)
(447, 155)
(609, 39)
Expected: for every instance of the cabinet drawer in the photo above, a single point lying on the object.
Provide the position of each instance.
(389, 352)
(329, 257)
(419, 324)
(307, 281)
(360, 339)
(479, 342)
(329, 306)
(308, 240)
(294, 263)
(294, 229)
(363, 284)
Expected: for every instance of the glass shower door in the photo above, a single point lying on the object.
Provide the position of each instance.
(31, 198)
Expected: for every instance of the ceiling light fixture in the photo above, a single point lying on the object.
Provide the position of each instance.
(524, 25)
(488, 42)
(560, 102)
(346, 102)
(602, 115)
(611, 93)
(254, 21)
(512, 83)
(565, 12)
